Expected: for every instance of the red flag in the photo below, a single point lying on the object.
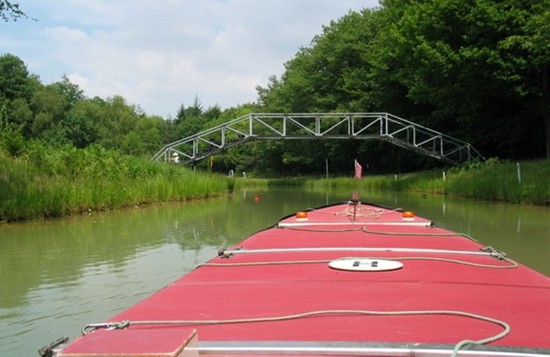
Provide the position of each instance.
(358, 170)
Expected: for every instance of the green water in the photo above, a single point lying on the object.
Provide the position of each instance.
(56, 276)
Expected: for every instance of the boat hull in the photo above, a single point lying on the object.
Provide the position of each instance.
(284, 291)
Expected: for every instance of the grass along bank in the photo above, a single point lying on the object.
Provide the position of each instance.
(42, 182)
(526, 182)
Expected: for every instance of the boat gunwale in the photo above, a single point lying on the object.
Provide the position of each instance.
(361, 349)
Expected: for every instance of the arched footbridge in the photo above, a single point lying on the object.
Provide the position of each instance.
(319, 126)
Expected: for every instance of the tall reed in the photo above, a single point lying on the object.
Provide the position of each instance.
(527, 182)
(45, 182)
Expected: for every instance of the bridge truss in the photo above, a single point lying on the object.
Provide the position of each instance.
(324, 126)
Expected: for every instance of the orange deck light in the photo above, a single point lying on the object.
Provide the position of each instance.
(408, 215)
(301, 216)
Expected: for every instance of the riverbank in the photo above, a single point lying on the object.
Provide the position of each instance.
(41, 183)
(523, 183)
(46, 183)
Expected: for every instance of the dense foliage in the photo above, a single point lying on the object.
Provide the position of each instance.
(475, 70)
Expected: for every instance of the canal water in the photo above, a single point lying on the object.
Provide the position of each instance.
(56, 276)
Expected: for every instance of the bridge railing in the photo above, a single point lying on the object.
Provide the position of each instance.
(324, 126)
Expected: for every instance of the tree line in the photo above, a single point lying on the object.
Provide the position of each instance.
(475, 70)
(59, 114)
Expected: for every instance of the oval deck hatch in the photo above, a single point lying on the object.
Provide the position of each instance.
(363, 264)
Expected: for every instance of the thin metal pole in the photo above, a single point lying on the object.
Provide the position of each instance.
(358, 249)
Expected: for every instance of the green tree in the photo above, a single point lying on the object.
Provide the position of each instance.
(457, 63)
(83, 122)
(21, 116)
(196, 108)
(180, 115)
(212, 113)
(49, 106)
(120, 119)
(526, 56)
(191, 125)
(269, 96)
(72, 92)
(330, 74)
(476, 70)
(145, 139)
(191, 120)
(15, 81)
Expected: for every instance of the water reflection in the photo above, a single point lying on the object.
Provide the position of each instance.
(55, 276)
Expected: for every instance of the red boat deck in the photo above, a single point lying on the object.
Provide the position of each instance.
(275, 293)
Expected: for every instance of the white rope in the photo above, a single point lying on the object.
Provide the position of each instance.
(364, 229)
(506, 328)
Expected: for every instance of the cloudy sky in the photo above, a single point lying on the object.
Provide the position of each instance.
(159, 54)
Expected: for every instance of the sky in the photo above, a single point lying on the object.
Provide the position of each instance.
(161, 54)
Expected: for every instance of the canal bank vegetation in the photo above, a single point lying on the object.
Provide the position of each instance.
(524, 182)
(42, 182)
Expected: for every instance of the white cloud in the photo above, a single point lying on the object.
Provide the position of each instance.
(81, 81)
(160, 54)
